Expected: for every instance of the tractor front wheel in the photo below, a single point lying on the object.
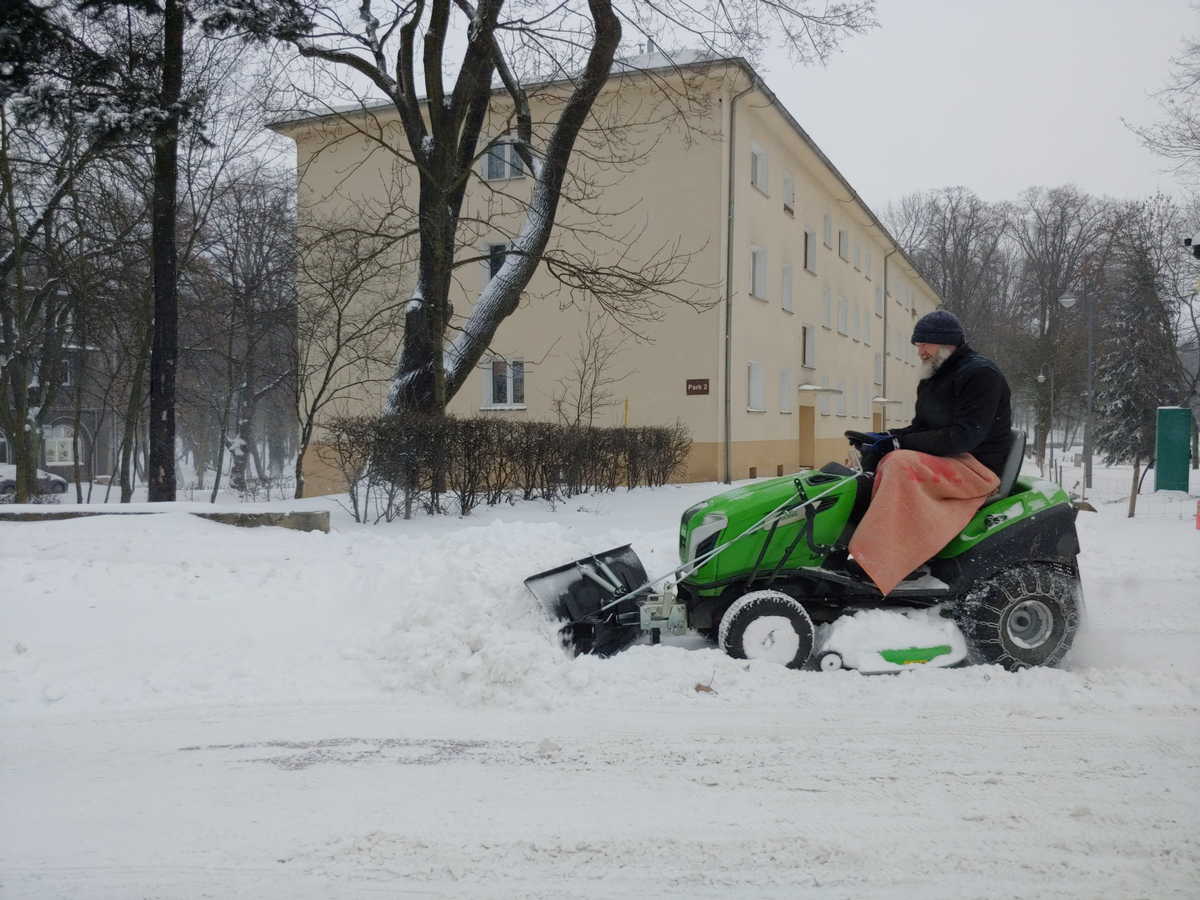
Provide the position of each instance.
(769, 626)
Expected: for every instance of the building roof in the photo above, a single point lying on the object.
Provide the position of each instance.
(655, 60)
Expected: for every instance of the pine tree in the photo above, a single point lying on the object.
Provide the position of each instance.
(1138, 369)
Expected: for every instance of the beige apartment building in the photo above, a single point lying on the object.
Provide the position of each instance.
(811, 302)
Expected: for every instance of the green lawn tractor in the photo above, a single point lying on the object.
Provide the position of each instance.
(763, 573)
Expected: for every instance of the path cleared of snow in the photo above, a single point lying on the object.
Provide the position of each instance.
(190, 709)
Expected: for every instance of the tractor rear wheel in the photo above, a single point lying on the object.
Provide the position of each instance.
(1026, 615)
(767, 625)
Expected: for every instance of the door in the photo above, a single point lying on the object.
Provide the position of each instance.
(808, 436)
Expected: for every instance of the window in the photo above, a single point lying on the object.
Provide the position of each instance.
(824, 402)
(868, 263)
(758, 273)
(810, 251)
(856, 324)
(879, 301)
(841, 399)
(758, 168)
(755, 391)
(857, 255)
(844, 244)
(495, 254)
(785, 391)
(502, 161)
(789, 195)
(59, 444)
(828, 230)
(786, 290)
(808, 347)
(827, 301)
(879, 368)
(843, 316)
(504, 384)
(866, 327)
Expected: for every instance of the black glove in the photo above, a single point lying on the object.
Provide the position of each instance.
(881, 442)
(877, 449)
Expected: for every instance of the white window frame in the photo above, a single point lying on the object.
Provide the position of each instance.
(785, 289)
(758, 273)
(843, 316)
(789, 194)
(507, 158)
(827, 303)
(58, 442)
(857, 256)
(828, 232)
(786, 390)
(756, 388)
(808, 347)
(759, 171)
(510, 381)
(810, 251)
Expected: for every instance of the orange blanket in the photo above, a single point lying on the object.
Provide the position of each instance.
(918, 503)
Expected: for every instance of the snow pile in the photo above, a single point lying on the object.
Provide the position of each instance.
(860, 637)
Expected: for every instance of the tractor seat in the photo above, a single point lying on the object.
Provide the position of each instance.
(1012, 465)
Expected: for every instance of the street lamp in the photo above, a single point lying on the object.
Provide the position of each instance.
(1041, 379)
(1067, 302)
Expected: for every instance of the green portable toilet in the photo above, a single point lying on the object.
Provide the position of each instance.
(1172, 450)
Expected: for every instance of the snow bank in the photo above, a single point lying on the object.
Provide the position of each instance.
(161, 611)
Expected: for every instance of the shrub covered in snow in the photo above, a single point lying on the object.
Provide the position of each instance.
(401, 461)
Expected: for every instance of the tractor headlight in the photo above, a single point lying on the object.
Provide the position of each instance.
(704, 536)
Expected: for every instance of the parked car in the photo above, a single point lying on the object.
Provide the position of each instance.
(46, 482)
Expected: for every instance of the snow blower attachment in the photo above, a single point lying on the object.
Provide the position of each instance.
(764, 574)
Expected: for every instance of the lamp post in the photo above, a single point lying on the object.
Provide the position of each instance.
(1041, 379)
(1067, 302)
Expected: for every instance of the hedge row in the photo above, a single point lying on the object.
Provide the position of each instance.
(400, 462)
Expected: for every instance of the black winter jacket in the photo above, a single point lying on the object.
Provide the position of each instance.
(964, 407)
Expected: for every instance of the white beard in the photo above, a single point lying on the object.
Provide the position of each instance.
(931, 365)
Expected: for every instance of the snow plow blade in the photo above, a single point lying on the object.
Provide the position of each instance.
(578, 591)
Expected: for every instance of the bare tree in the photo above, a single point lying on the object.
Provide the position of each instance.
(349, 317)
(1056, 230)
(562, 54)
(72, 90)
(1177, 136)
(958, 242)
(588, 389)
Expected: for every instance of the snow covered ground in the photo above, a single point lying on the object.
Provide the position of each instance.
(193, 710)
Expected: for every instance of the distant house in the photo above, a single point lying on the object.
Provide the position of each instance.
(814, 299)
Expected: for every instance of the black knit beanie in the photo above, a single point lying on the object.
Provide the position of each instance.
(939, 327)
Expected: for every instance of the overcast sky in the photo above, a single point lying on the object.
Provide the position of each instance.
(996, 95)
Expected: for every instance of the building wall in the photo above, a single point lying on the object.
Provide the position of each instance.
(676, 194)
